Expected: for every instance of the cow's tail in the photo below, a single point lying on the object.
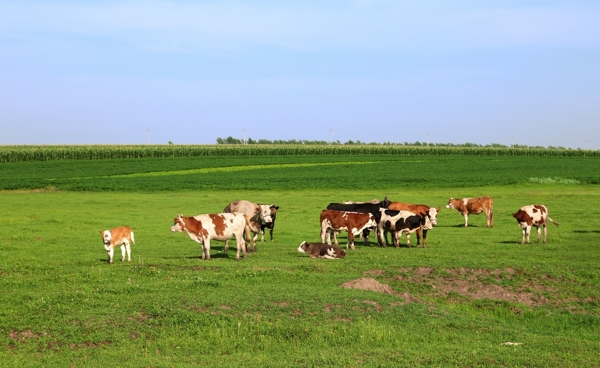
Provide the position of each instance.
(247, 229)
(554, 222)
(132, 238)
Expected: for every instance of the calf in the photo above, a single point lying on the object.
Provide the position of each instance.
(258, 215)
(466, 206)
(420, 210)
(533, 215)
(333, 222)
(119, 236)
(322, 250)
(221, 226)
(398, 222)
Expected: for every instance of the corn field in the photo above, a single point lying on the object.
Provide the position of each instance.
(101, 152)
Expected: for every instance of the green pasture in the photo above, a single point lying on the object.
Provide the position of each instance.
(475, 297)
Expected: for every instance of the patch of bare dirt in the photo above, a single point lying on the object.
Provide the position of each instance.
(371, 284)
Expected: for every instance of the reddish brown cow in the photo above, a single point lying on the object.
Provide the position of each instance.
(333, 222)
(533, 215)
(321, 250)
(466, 206)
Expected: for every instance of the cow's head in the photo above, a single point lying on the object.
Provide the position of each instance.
(178, 224)
(267, 213)
(433, 212)
(106, 238)
(303, 248)
(450, 204)
(385, 203)
(426, 223)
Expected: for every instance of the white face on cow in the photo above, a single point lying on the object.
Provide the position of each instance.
(433, 215)
(302, 247)
(265, 214)
(106, 238)
(177, 225)
(450, 204)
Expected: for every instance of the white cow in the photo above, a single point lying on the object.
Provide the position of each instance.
(119, 236)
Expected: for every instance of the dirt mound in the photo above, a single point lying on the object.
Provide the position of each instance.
(370, 284)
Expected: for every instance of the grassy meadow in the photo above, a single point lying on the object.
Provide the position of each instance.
(475, 297)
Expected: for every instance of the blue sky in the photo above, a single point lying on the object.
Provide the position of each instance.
(103, 72)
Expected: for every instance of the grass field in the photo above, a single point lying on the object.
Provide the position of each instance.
(457, 303)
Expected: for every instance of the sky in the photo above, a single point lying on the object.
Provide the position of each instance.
(188, 72)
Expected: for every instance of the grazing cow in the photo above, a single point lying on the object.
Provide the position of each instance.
(333, 222)
(533, 215)
(420, 210)
(259, 214)
(220, 226)
(372, 208)
(322, 250)
(398, 222)
(119, 236)
(466, 206)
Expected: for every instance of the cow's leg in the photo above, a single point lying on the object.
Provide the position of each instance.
(466, 215)
(424, 238)
(527, 232)
(110, 255)
(523, 235)
(350, 240)
(418, 237)
(206, 249)
(396, 235)
(365, 233)
(490, 218)
(335, 234)
(408, 239)
(241, 246)
(226, 248)
(545, 232)
(539, 234)
(254, 242)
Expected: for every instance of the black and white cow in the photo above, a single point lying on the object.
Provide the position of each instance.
(398, 222)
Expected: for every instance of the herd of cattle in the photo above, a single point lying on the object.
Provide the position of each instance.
(246, 220)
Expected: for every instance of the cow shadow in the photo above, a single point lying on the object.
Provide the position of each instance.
(587, 231)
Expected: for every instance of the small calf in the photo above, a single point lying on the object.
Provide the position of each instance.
(119, 236)
(321, 250)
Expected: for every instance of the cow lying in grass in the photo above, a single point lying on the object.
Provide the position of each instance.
(119, 236)
(220, 226)
(321, 250)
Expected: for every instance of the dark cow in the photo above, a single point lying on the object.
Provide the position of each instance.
(398, 222)
(372, 208)
(258, 214)
(333, 222)
(533, 215)
(220, 226)
(322, 250)
(421, 210)
(466, 206)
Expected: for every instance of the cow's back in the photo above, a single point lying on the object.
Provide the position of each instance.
(243, 206)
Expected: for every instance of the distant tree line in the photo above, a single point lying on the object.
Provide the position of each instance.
(232, 140)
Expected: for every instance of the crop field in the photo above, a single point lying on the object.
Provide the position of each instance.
(474, 297)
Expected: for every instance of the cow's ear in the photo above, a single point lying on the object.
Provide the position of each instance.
(439, 208)
(101, 232)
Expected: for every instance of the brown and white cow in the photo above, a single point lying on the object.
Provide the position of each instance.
(333, 222)
(398, 222)
(420, 210)
(533, 215)
(467, 206)
(220, 226)
(321, 250)
(119, 236)
(260, 216)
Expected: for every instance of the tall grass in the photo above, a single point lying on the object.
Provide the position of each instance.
(97, 152)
